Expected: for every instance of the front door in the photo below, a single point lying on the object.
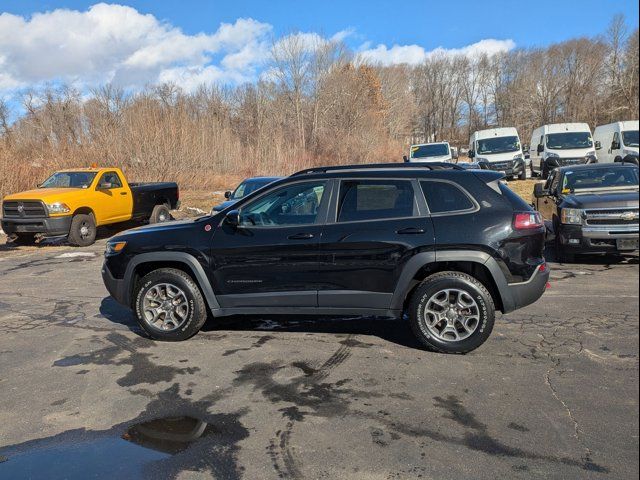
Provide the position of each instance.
(270, 258)
(114, 199)
(375, 227)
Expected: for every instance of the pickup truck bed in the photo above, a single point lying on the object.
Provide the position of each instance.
(146, 195)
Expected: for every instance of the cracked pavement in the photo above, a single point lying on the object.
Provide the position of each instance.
(552, 394)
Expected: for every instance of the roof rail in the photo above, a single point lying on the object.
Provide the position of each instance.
(381, 166)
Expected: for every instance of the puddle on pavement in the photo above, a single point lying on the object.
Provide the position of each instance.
(105, 454)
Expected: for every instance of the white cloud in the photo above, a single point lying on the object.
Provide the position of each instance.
(415, 54)
(114, 43)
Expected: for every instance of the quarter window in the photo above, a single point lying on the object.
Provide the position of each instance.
(446, 198)
(295, 204)
(376, 200)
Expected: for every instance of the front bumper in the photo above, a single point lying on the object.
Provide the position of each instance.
(510, 168)
(596, 239)
(51, 226)
(116, 287)
(519, 295)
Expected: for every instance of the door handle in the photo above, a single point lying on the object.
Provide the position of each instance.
(410, 231)
(123, 193)
(301, 236)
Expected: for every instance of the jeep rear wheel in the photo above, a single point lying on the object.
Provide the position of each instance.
(169, 305)
(83, 230)
(451, 312)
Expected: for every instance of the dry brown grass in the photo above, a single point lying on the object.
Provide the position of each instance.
(524, 188)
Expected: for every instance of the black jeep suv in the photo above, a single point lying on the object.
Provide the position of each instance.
(444, 245)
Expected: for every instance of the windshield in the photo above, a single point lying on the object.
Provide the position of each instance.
(568, 140)
(600, 178)
(630, 138)
(432, 150)
(498, 145)
(249, 186)
(69, 180)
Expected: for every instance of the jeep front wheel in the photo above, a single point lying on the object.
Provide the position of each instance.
(169, 305)
(451, 312)
(83, 230)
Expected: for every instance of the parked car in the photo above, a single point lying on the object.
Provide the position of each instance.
(499, 149)
(247, 186)
(447, 246)
(590, 208)
(76, 202)
(559, 145)
(430, 152)
(619, 142)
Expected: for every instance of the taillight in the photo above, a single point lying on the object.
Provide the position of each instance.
(527, 221)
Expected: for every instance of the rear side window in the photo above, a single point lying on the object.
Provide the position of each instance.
(446, 198)
(376, 200)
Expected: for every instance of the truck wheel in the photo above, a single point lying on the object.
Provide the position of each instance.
(160, 214)
(523, 174)
(169, 305)
(83, 230)
(451, 312)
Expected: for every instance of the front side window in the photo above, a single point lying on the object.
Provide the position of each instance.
(630, 138)
(446, 198)
(569, 140)
(376, 200)
(498, 145)
(110, 180)
(295, 204)
(69, 180)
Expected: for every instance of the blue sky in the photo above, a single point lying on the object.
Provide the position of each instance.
(136, 43)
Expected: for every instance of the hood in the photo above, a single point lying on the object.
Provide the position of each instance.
(605, 199)
(160, 227)
(44, 194)
(223, 205)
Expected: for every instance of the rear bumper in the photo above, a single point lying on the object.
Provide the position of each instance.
(51, 226)
(519, 295)
(116, 287)
(596, 239)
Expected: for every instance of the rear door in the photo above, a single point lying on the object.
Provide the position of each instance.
(271, 258)
(374, 227)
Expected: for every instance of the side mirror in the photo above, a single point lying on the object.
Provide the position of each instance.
(539, 191)
(232, 218)
(540, 148)
(471, 154)
(227, 194)
(598, 145)
(38, 185)
(614, 145)
(405, 158)
(104, 186)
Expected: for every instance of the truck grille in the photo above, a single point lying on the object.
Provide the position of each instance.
(572, 161)
(612, 217)
(23, 209)
(501, 166)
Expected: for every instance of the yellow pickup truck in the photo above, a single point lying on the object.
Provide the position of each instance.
(76, 202)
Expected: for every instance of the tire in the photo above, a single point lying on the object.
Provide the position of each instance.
(83, 230)
(562, 255)
(523, 174)
(545, 171)
(533, 173)
(431, 288)
(160, 214)
(187, 318)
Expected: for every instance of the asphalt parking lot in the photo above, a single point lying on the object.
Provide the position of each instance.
(552, 394)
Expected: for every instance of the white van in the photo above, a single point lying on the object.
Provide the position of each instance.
(430, 152)
(619, 141)
(561, 144)
(499, 149)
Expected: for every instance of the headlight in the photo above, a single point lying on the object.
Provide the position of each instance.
(552, 155)
(591, 159)
(518, 156)
(58, 208)
(592, 153)
(114, 247)
(571, 216)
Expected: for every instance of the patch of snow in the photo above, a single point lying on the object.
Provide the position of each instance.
(76, 254)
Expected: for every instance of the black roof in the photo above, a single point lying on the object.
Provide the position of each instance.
(381, 166)
(599, 166)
